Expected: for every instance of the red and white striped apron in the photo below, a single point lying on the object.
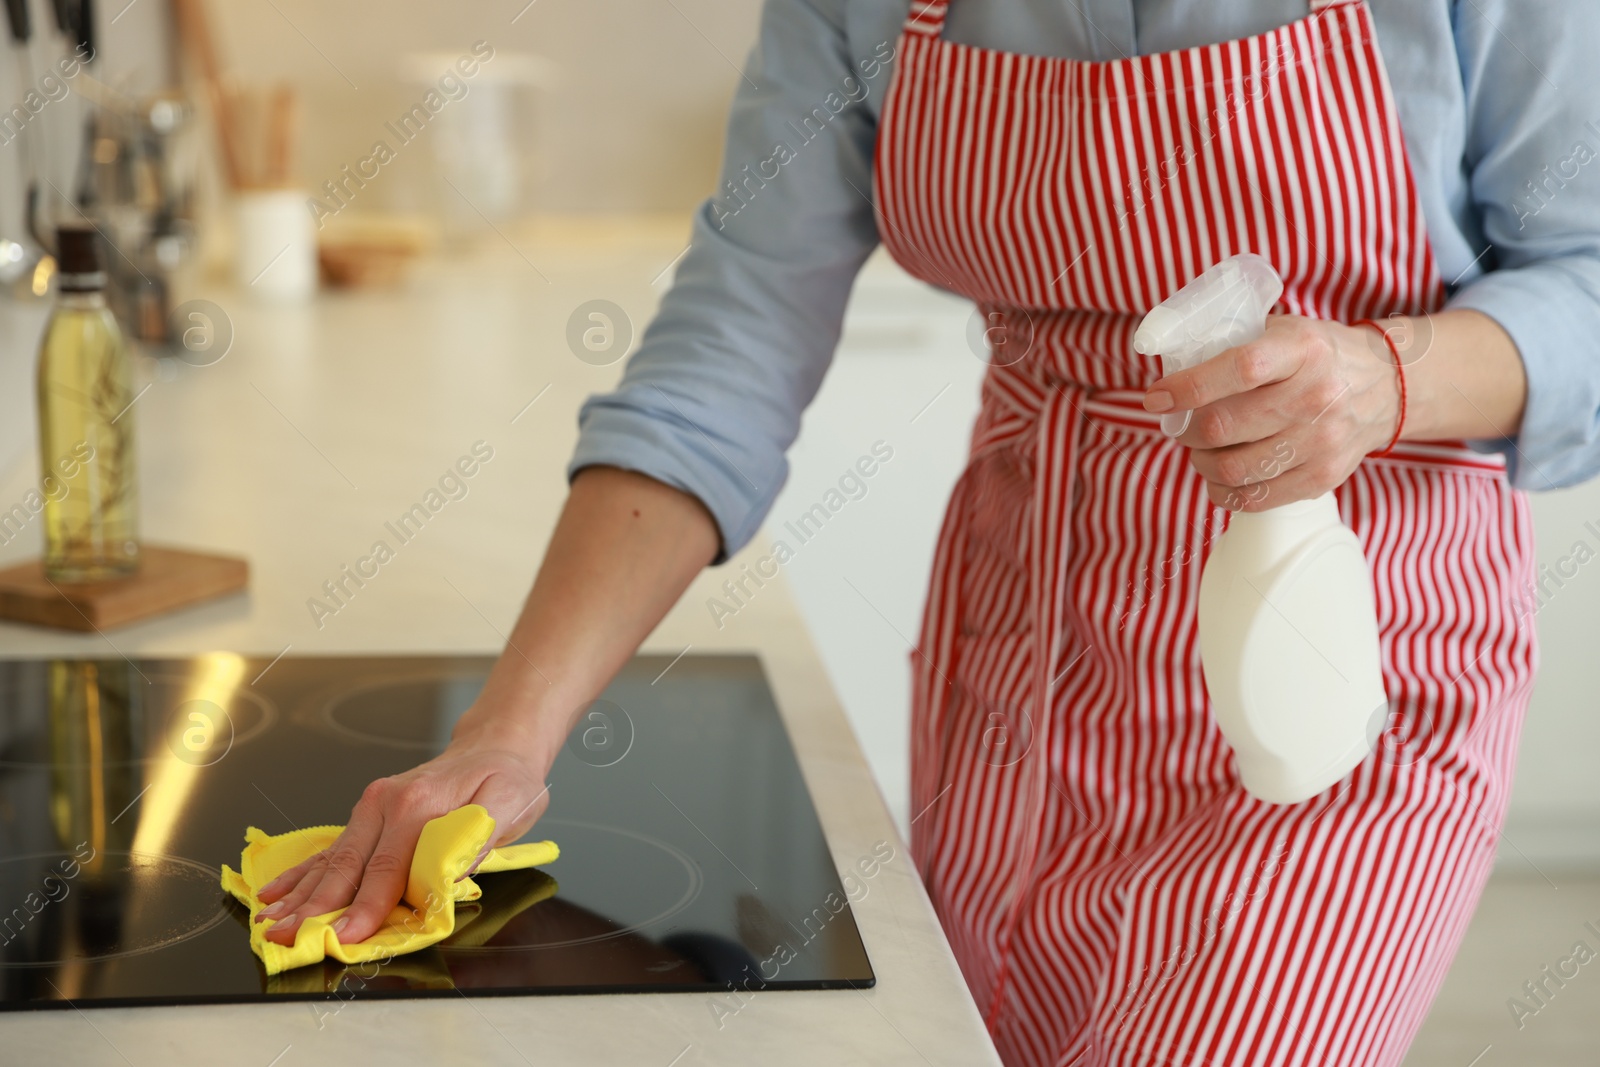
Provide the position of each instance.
(1112, 893)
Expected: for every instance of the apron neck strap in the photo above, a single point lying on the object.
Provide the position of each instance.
(926, 17)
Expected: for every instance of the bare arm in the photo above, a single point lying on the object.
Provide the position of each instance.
(624, 550)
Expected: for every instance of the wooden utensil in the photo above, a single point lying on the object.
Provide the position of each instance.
(257, 136)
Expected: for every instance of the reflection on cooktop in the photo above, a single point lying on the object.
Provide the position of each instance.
(137, 714)
(691, 856)
(88, 905)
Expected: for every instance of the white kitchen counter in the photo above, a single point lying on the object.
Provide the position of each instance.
(322, 423)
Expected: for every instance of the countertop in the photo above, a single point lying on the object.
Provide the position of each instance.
(324, 421)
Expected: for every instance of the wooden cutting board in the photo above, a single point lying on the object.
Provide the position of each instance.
(167, 579)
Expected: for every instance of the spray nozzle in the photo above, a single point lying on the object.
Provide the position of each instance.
(1223, 308)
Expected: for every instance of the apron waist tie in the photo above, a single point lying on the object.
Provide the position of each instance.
(1125, 408)
(1058, 442)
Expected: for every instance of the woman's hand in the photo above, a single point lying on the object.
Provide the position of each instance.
(368, 865)
(1288, 416)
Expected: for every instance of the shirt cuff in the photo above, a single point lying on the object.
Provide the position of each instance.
(1553, 318)
(612, 433)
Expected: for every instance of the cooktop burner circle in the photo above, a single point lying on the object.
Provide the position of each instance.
(135, 903)
(170, 721)
(411, 711)
(646, 858)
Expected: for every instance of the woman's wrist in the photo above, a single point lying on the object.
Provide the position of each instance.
(1464, 375)
(510, 730)
(532, 723)
(1386, 341)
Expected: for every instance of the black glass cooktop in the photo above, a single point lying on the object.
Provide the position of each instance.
(691, 857)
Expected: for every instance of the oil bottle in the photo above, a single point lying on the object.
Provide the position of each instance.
(86, 442)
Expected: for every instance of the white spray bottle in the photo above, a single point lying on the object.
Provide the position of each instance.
(1288, 626)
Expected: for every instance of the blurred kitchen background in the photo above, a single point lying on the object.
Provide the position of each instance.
(588, 139)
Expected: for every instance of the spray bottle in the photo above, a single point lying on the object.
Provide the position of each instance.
(1288, 625)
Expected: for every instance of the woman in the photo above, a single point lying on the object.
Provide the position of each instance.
(1112, 893)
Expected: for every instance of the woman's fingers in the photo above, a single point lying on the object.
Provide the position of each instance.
(1302, 483)
(339, 863)
(1275, 356)
(1247, 466)
(383, 883)
(284, 884)
(1247, 417)
(1264, 474)
(1307, 404)
(509, 803)
(333, 876)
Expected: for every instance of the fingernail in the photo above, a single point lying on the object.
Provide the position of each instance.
(1160, 400)
(341, 924)
(270, 911)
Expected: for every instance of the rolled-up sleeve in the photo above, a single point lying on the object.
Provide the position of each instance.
(1532, 85)
(712, 398)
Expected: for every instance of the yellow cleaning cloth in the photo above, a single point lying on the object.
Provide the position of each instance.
(476, 925)
(444, 853)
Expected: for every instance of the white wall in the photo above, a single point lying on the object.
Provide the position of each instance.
(1555, 815)
(633, 123)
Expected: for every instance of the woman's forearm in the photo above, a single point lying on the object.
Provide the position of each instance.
(625, 548)
(1464, 376)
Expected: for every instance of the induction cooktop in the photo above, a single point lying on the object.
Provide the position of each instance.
(691, 856)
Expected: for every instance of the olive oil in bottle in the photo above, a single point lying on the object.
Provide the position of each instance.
(86, 426)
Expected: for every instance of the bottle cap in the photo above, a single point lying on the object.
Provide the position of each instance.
(78, 257)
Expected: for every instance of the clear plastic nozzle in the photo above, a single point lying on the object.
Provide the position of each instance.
(1221, 309)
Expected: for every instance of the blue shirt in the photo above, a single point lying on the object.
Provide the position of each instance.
(1499, 103)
